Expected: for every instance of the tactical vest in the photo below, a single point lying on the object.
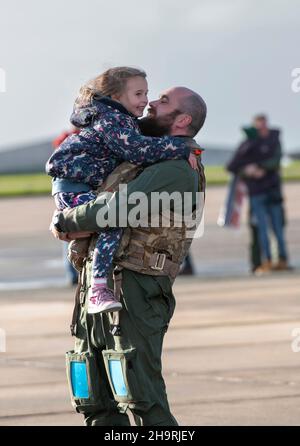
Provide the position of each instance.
(156, 251)
(152, 251)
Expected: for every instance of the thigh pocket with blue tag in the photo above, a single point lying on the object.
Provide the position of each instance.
(122, 369)
(85, 381)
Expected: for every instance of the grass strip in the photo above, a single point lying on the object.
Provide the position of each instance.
(40, 184)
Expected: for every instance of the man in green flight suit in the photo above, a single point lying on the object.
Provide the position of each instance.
(116, 363)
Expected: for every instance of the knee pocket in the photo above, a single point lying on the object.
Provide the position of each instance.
(86, 385)
(126, 376)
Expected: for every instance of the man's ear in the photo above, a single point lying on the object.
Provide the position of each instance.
(183, 120)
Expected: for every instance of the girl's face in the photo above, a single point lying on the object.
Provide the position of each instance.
(134, 98)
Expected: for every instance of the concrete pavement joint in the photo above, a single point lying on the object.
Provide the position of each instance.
(44, 414)
(235, 345)
(235, 324)
(234, 400)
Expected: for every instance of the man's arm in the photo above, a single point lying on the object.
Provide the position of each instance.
(259, 169)
(171, 176)
(240, 158)
(272, 163)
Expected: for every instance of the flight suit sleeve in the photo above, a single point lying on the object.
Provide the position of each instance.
(168, 177)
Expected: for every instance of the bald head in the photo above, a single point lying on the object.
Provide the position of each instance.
(192, 104)
(178, 111)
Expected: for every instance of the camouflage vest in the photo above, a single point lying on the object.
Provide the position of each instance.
(157, 251)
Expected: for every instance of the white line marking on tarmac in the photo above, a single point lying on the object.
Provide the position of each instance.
(53, 282)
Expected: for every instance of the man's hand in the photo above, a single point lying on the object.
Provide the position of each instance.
(195, 150)
(254, 171)
(67, 237)
(259, 173)
(193, 161)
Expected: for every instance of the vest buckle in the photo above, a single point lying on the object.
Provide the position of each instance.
(159, 262)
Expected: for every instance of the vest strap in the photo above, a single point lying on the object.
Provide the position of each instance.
(115, 317)
(157, 262)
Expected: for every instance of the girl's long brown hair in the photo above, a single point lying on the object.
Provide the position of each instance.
(111, 82)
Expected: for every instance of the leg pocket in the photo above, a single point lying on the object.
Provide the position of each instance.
(125, 375)
(85, 381)
(167, 294)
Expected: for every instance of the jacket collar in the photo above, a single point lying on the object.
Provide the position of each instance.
(114, 104)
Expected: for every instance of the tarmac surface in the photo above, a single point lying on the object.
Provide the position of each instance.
(231, 352)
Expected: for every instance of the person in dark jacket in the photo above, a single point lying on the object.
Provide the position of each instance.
(257, 160)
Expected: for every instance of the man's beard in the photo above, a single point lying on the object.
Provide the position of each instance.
(152, 126)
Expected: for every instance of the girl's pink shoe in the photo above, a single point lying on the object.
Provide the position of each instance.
(103, 300)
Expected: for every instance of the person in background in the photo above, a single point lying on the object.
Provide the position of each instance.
(257, 161)
(188, 266)
(71, 272)
(255, 251)
(60, 139)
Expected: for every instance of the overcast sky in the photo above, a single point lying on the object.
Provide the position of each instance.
(238, 54)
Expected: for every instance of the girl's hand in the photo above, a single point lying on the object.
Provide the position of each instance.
(193, 161)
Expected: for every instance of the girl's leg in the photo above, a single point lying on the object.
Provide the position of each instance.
(105, 249)
(64, 200)
(102, 298)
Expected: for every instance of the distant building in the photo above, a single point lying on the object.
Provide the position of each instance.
(25, 158)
